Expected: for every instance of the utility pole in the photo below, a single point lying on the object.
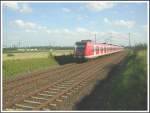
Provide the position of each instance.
(129, 40)
(95, 38)
(110, 37)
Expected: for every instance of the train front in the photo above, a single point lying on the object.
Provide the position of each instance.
(79, 51)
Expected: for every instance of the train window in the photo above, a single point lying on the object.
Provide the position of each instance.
(97, 49)
(93, 49)
(107, 48)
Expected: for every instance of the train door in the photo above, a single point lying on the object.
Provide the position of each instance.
(101, 48)
(97, 50)
(94, 50)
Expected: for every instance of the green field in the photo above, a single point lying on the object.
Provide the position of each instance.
(30, 55)
(18, 63)
(130, 87)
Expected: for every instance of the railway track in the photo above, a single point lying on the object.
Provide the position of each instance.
(51, 95)
(18, 86)
(79, 71)
(9, 84)
(60, 88)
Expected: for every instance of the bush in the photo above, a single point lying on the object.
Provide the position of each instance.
(50, 55)
(10, 54)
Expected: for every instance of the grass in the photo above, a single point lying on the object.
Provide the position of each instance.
(130, 87)
(14, 67)
(18, 63)
(125, 87)
(30, 55)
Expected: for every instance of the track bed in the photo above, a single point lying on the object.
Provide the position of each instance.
(50, 89)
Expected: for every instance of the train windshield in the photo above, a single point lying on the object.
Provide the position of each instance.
(80, 46)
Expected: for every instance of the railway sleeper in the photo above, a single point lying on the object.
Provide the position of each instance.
(52, 106)
(46, 109)
(39, 98)
(36, 100)
(29, 103)
(26, 107)
(64, 96)
(70, 83)
(55, 89)
(32, 102)
(69, 93)
(49, 92)
(53, 92)
(59, 100)
(45, 95)
(63, 85)
(12, 109)
(60, 87)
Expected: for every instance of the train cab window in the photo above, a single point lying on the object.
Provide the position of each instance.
(80, 47)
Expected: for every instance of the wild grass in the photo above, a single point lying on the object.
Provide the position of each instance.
(14, 67)
(130, 88)
(27, 63)
(19, 63)
(30, 55)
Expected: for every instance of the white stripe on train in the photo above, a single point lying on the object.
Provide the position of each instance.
(94, 56)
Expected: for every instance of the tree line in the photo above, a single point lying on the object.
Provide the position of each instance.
(37, 48)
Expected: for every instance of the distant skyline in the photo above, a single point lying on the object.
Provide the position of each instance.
(64, 23)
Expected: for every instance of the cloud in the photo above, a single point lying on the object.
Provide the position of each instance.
(66, 30)
(29, 26)
(144, 27)
(82, 17)
(25, 25)
(67, 10)
(120, 23)
(82, 30)
(106, 20)
(25, 9)
(99, 6)
(114, 34)
(76, 34)
(36, 28)
(12, 5)
(125, 23)
(20, 7)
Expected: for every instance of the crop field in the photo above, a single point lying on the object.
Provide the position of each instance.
(18, 63)
(29, 55)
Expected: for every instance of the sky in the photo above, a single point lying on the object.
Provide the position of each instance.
(64, 23)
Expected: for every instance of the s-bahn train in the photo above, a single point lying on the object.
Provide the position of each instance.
(87, 49)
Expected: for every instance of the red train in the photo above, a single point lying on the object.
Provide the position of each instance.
(87, 49)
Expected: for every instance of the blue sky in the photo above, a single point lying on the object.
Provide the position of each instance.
(62, 24)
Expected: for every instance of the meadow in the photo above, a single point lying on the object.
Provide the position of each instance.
(18, 63)
(30, 55)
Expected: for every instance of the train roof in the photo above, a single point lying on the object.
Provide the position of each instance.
(85, 41)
